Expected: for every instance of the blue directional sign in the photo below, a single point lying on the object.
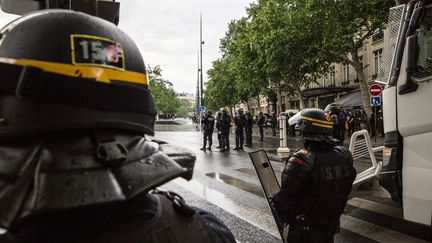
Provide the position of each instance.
(202, 109)
(375, 101)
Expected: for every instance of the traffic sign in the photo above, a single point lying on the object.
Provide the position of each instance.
(202, 109)
(375, 101)
(375, 90)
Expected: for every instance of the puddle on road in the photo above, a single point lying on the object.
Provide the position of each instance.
(249, 214)
(245, 186)
(252, 172)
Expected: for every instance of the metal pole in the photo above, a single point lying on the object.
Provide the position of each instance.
(197, 99)
(201, 68)
(375, 122)
(283, 150)
(198, 87)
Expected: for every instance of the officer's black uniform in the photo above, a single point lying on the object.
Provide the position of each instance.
(75, 165)
(261, 124)
(207, 125)
(218, 127)
(316, 183)
(249, 125)
(273, 120)
(240, 123)
(225, 130)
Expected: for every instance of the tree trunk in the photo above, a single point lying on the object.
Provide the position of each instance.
(259, 104)
(302, 105)
(279, 102)
(364, 86)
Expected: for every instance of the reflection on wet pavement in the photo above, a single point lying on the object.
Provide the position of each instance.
(245, 186)
(252, 172)
(261, 220)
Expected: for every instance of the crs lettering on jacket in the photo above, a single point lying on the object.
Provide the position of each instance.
(335, 172)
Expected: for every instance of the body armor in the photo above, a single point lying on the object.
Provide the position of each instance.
(159, 216)
(49, 174)
(315, 187)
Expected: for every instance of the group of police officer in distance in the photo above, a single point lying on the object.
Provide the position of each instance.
(243, 129)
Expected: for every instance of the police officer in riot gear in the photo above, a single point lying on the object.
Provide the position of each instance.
(261, 123)
(240, 123)
(225, 125)
(218, 127)
(248, 129)
(316, 182)
(74, 163)
(207, 125)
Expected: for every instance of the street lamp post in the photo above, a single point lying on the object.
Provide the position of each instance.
(197, 99)
(201, 68)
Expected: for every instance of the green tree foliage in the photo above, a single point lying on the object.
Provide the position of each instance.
(286, 44)
(247, 72)
(221, 89)
(184, 108)
(166, 100)
(345, 25)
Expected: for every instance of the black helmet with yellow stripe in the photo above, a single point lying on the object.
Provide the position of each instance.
(63, 70)
(315, 125)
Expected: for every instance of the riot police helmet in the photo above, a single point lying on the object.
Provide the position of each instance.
(81, 72)
(315, 125)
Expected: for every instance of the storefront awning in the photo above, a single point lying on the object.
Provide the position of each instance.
(311, 92)
(350, 100)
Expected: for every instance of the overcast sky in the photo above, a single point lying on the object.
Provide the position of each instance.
(167, 33)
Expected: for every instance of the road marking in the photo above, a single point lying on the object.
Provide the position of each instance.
(259, 219)
(375, 232)
(376, 207)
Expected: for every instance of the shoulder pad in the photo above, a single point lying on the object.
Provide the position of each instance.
(303, 158)
(345, 152)
(341, 149)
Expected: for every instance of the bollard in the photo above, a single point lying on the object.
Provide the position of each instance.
(283, 149)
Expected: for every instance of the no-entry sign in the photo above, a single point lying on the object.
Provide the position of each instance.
(375, 90)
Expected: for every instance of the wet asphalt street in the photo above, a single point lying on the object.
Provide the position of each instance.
(225, 184)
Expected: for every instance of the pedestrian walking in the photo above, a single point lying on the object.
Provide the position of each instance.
(249, 126)
(218, 127)
(261, 124)
(207, 125)
(225, 130)
(316, 182)
(240, 124)
(79, 167)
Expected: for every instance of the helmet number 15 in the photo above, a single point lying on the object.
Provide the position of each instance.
(97, 51)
